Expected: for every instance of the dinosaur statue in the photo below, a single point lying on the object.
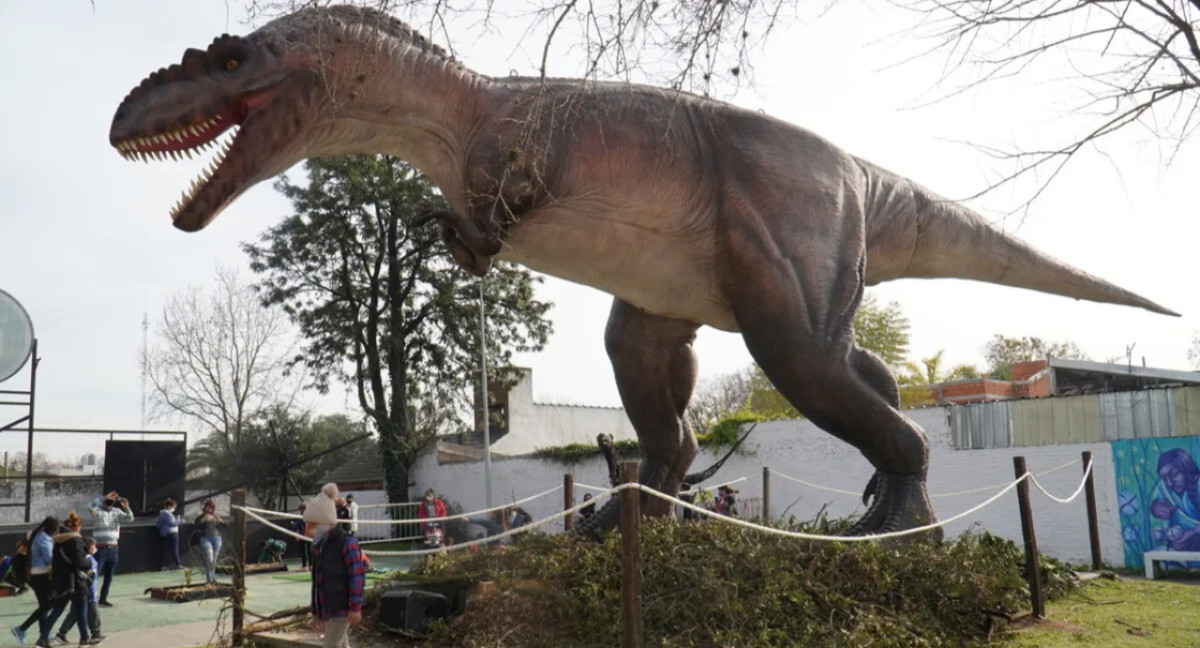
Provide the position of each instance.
(689, 211)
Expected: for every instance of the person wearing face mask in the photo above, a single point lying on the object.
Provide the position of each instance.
(107, 532)
(338, 573)
(431, 507)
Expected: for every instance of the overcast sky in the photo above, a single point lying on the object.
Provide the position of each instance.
(87, 246)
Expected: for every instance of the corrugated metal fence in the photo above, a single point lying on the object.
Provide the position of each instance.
(1089, 418)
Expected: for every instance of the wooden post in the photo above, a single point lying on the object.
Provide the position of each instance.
(631, 560)
(766, 495)
(1031, 552)
(568, 500)
(239, 564)
(1093, 521)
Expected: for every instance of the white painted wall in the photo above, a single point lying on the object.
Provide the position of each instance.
(538, 425)
(799, 449)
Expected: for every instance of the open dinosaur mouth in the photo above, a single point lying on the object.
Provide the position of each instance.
(186, 141)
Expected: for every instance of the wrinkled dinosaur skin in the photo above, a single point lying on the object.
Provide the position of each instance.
(689, 211)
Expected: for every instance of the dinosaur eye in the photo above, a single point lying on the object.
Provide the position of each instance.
(231, 65)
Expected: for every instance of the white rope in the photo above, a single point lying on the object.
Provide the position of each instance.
(278, 514)
(463, 515)
(703, 511)
(973, 491)
(811, 536)
(251, 512)
(387, 505)
(500, 536)
(1067, 500)
(713, 487)
(816, 486)
(404, 539)
(294, 516)
(984, 489)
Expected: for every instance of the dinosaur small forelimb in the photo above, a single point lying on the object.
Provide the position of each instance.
(465, 258)
(477, 233)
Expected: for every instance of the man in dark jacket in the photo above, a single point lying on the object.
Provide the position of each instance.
(70, 572)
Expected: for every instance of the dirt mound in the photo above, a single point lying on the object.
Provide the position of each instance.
(717, 585)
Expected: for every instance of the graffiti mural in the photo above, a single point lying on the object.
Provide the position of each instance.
(1158, 490)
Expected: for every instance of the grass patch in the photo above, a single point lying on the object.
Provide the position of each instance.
(1117, 613)
(717, 585)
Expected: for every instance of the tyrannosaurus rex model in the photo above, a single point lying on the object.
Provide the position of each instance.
(689, 211)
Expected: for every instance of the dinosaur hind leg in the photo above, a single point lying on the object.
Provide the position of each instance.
(655, 370)
(796, 319)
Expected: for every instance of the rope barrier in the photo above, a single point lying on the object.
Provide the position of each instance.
(812, 536)
(251, 512)
(1068, 500)
(713, 487)
(973, 491)
(294, 516)
(536, 524)
(387, 505)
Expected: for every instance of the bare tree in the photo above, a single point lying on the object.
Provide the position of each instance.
(1193, 353)
(1136, 61)
(718, 397)
(688, 45)
(220, 357)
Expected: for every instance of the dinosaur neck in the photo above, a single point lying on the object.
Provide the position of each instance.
(415, 105)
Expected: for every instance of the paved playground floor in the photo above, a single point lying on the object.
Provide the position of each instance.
(137, 621)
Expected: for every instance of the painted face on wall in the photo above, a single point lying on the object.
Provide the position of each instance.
(1174, 479)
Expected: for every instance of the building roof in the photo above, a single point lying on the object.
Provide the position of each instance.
(1085, 376)
(362, 468)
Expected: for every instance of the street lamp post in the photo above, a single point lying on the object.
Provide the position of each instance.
(483, 389)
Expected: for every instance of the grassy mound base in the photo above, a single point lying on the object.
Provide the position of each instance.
(717, 585)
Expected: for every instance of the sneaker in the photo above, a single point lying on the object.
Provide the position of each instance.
(61, 639)
(98, 637)
(105, 604)
(43, 644)
(94, 641)
(20, 636)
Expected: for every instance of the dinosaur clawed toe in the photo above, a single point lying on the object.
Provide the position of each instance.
(898, 502)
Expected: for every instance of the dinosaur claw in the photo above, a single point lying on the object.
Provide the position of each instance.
(898, 502)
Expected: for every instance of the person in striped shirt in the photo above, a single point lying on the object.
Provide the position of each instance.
(107, 533)
(338, 574)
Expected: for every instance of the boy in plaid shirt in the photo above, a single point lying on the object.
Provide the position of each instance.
(338, 575)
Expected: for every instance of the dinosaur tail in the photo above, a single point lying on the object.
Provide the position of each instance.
(912, 232)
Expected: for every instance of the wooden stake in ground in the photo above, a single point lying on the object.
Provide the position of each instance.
(568, 500)
(1034, 570)
(631, 559)
(238, 500)
(1093, 521)
(766, 516)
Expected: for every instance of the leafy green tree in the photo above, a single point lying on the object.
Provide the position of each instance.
(1002, 352)
(381, 306)
(882, 330)
(916, 379)
(271, 441)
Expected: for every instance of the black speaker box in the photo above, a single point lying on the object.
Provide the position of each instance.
(145, 472)
(412, 609)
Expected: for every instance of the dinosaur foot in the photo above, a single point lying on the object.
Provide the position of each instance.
(602, 521)
(898, 502)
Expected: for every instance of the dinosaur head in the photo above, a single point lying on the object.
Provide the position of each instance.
(251, 85)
